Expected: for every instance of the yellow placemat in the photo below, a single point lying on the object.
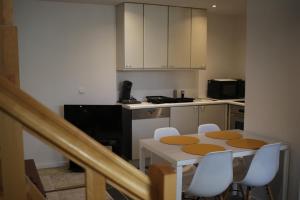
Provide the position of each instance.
(246, 143)
(179, 140)
(201, 149)
(224, 135)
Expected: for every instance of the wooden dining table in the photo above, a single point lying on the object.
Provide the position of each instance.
(178, 159)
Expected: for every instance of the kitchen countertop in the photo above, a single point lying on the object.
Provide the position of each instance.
(196, 102)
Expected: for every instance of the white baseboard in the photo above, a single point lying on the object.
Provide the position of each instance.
(51, 164)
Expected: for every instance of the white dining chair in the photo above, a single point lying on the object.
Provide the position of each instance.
(213, 175)
(165, 131)
(263, 168)
(203, 128)
(187, 170)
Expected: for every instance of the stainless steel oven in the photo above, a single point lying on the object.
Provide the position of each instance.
(236, 117)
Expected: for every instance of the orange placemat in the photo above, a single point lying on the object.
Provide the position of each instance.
(201, 149)
(179, 140)
(246, 143)
(224, 135)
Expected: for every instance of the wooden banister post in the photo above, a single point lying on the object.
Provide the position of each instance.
(95, 186)
(6, 12)
(163, 182)
(1, 187)
(12, 169)
(9, 63)
(12, 162)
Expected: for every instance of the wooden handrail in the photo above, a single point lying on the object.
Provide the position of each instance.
(72, 142)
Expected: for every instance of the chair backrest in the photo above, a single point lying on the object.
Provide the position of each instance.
(213, 175)
(166, 131)
(264, 166)
(208, 127)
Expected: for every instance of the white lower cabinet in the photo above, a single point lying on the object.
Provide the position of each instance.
(185, 119)
(144, 128)
(216, 114)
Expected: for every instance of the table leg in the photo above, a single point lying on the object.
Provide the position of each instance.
(142, 159)
(178, 182)
(286, 162)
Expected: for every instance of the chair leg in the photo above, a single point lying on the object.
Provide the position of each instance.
(242, 190)
(248, 191)
(270, 192)
(227, 192)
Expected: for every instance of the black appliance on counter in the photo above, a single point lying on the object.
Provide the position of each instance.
(226, 89)
(103, 123)
(125, 96)
(163, 99)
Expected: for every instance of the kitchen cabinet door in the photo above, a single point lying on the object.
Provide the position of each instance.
(179, 45)
(216, 114)
(155, 36)
(185, 119)
(130, 36)
(144, 128)
(199, 39)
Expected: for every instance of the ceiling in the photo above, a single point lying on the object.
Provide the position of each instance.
(235, 7)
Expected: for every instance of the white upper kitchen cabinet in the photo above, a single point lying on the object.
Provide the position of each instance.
(216, 114)
(155, 36)
(130, 36)
(199, 39)
(179, 45)
(185, 119)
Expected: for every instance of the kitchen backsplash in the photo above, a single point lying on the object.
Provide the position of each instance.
(160, 83)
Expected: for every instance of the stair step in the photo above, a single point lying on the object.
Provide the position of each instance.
(33, 175)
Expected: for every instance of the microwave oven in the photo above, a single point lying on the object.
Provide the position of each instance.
(226, 89)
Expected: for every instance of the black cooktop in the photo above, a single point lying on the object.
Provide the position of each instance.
(164, 99)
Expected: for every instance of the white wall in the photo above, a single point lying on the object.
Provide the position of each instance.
(65, 46)
(272, 74)
(226, 59)
(226, 49)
